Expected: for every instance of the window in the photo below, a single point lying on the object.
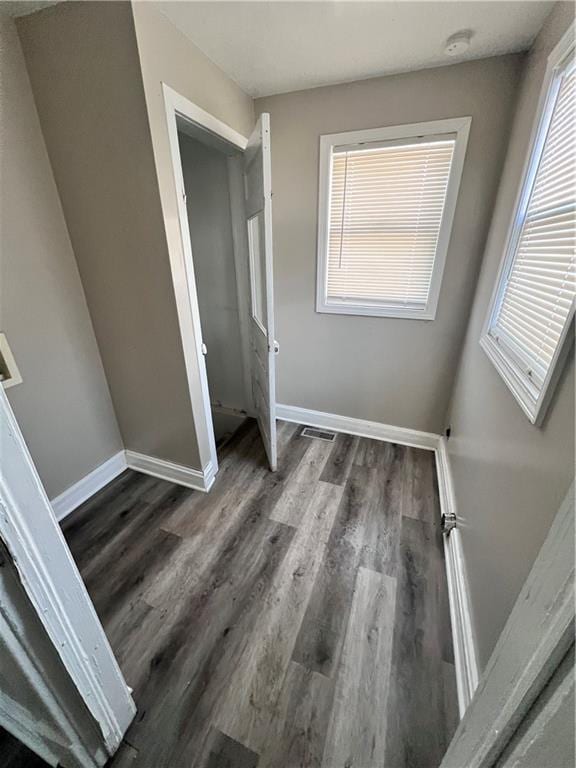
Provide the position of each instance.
(533, 304)
(257, 270)
(386, 204)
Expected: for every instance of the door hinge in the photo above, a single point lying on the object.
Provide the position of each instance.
(204, 349)
(448, 522)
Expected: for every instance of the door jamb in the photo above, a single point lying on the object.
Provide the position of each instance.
(182, 267)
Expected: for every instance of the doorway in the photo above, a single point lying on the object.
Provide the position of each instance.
(221, 274)
(223, 278)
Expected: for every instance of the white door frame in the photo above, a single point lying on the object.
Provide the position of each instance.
(535, 639)
(182, 267)
(55, 588)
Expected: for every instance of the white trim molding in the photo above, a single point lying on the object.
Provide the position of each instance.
(38, 703)
(183, 114)
(459, 127)
(199, 480)
(195, 114)
(87, 486)
(463, 640)
(55, 588)
(361, 427)
(84, 489)
(10, 375)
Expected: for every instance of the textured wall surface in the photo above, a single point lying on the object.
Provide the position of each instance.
(208, 203)
(510, 477)
(63, 405)
(390, 370)
(85, 72)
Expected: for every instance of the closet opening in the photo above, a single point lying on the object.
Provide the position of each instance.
(223, 275)
(214, 200)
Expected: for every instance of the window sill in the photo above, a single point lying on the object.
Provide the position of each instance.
(375, 311)
(513, 379)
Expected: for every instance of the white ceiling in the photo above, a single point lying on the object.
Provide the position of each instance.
(275, 47)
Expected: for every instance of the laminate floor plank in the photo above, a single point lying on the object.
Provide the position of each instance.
(324, 625)
(256, 683)
(193, 520)
(356, 736)
(224, 752)
(296, 494)
(298, 727)
(421, 485)
(108, 518)
(287, 619)
(384, 506)
(157, 502)
(133, 634)
(83, 522)
(126, 577)
(126, 756)
(417, 680)
(340, 460)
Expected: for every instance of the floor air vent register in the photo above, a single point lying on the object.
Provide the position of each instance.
(318, 434)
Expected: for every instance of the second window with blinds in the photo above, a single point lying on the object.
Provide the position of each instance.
(386, 204)
(529, 323)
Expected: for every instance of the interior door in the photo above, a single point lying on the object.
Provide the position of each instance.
(57, 638)
(263, 347)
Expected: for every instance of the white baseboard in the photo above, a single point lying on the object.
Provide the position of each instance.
(360, 427)
(89, 485)
(465, 656)
(81, 491)
(175, 473)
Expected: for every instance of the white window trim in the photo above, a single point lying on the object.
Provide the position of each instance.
(532, 402)
(459, 126)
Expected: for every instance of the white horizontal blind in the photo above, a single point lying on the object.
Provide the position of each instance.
(539, 288)
(385, 214)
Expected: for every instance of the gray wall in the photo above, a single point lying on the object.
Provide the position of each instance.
(168, 56)
(394, 371)
(63, 405)
(208, 204)
(85, 72)
(510, 477)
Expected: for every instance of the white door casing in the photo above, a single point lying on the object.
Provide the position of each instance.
(263, 346)
(39, 704)
(55, 588)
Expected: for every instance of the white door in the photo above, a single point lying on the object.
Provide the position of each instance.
(72, 634)
(263, 347)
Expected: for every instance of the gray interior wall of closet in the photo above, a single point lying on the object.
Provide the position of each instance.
(206, 181)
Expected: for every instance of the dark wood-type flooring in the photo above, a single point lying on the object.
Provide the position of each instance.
(291, 619)
(13, 754)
